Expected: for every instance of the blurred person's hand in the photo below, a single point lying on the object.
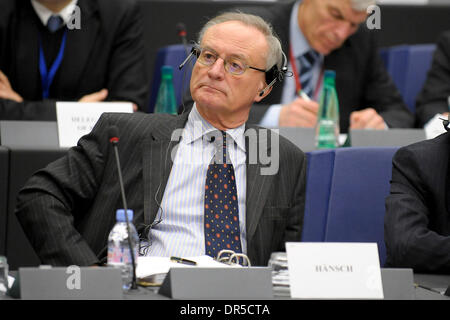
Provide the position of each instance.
(299, 113)
(367, 119)
(101, 96)
(95, 97)
(6, 91)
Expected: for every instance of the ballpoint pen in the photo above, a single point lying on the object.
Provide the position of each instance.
(426, 288)
(302, 94)
(183, 261)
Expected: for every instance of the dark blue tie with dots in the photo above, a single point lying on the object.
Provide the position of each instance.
(221, 207)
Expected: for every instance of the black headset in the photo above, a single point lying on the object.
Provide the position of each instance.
(446, 122)
(276, 74)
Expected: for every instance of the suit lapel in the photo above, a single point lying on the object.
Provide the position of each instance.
(157, 163)
(258, 187)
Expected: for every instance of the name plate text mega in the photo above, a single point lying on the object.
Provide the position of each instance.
(75, 119)
(326, 270)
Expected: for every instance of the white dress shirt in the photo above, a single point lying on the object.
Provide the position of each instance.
(44, 14)
(181, 232)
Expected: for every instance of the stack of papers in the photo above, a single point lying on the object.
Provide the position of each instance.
(151, 271)
(280, 274)
(3, 289)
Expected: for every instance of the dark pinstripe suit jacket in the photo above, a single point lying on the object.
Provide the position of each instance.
(68, 208)
(417, 221)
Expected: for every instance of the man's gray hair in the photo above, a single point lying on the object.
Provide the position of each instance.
(274, 56)
(361, 5)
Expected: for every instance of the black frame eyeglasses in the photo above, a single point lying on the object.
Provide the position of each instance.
(232, 65)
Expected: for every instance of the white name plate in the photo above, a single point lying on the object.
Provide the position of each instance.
(75, 119)
(325, 270)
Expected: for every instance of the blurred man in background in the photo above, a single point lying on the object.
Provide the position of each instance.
(69, 50)
(327, 34)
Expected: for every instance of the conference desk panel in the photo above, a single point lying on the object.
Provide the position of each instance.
(23, 163)
(4, 167)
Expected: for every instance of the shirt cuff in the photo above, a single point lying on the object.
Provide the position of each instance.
(272, 117)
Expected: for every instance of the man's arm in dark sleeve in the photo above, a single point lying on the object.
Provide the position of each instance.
(296, 212)
(433, 98)
(54, 196)
(409, 241)
(27, 110)
(127, 78)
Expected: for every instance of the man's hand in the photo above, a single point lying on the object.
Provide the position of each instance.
(95, 97)
(100, 96)
(366, 119)
(299, 113)
(6, 91)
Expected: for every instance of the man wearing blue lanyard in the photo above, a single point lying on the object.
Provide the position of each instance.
(46, 56)
(326, 34)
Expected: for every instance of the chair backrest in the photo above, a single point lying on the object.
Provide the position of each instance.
(173, 56)
(408, 66)
(419, 62)
(319, 173)
(356, 207)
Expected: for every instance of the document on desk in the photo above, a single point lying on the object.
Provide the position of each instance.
(154, 269)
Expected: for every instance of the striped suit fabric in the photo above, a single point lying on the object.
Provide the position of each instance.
(68, 208)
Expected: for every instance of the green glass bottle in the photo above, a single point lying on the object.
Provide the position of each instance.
(166, 101)
(327, 128)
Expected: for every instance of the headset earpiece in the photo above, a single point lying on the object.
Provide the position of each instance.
(275, 74)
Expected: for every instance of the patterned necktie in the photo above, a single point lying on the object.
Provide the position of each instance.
(54, 23)
(221, 207)
(306, 62)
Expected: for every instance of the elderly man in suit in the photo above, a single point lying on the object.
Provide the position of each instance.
(417, 221)
(327, 34)
(207, 194)
(69, 50)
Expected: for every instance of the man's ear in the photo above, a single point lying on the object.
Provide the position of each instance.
(262, 92)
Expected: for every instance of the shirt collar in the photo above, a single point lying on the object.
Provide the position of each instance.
(44, 14)
(196, 127)
(298, 42)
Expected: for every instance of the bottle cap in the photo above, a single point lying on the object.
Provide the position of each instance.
(166, 72)
(330, 74)
(120, 215)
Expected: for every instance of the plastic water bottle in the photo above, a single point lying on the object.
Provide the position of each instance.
(166, 101)
(327, 128)
(118, 248)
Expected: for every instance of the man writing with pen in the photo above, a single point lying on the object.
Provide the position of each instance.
(330, 34)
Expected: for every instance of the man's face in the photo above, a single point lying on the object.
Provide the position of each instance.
(217, 91)
(326, 24)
